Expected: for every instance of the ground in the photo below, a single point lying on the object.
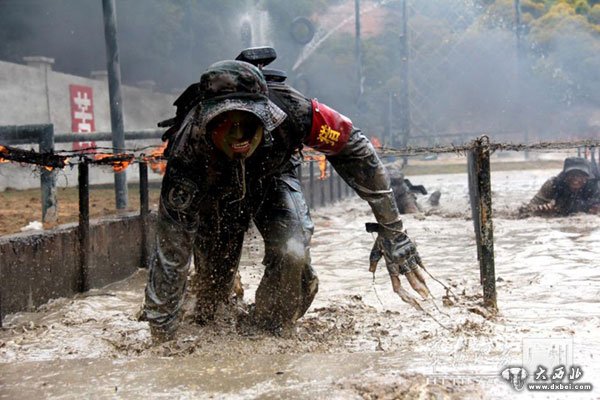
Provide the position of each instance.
(358, 340)
(21, 207)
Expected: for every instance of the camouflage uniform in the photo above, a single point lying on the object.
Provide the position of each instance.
(556, 192)
(207, 203)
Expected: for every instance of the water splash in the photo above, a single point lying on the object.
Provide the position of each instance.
(255, 28)
(321, 35)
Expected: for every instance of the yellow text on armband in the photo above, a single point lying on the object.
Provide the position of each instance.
(328, 135)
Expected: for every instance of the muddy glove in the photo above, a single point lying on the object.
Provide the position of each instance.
(400, 254)
(538, 209)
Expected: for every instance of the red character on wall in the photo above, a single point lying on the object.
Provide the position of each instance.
(82, 115)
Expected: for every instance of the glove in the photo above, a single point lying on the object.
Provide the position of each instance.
(400, 254)
(537, 209)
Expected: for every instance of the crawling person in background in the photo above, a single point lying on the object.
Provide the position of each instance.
(404, 193)
(574, 190)
(405, 199)
(232, 158)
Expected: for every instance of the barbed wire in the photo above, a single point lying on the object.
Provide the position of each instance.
(119, 161)
(123, 159)
(464, 148)
(92, 149)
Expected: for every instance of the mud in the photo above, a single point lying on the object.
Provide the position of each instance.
(358, 340)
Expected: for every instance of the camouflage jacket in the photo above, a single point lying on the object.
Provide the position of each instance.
(357, 163)
(556, 191)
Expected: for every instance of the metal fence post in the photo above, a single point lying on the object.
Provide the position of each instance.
(311, 184)
(404, 78)
(322, 192)
(48, 177)
(144, 211)
(116, 99)
(84, 224)
(481, 206)
(358, 52)
(331, 184)
(474, 201)
(339, 187)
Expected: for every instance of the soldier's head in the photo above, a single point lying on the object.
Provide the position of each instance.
(576, 172)
(235, 111)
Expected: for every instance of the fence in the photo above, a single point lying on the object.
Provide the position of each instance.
(44, 136)
(319, 191)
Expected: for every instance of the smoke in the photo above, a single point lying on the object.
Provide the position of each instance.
(170, 43)
(466, 73)
(64, 30)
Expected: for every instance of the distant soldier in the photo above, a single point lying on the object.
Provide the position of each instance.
(405, 199)
(404, 192)
(574, 190)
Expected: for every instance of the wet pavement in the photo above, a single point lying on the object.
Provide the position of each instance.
(358, 340)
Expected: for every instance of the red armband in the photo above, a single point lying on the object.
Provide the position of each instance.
(330, 130)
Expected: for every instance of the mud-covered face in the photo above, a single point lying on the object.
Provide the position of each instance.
(236, 133)
(576, 180)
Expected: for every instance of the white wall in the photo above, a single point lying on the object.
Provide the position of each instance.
(38, 95)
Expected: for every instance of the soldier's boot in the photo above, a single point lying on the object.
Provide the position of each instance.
(285, 293)
(161, 335)
(216, 261)
(208, 299)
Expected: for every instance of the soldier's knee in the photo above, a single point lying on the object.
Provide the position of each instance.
(293, 251)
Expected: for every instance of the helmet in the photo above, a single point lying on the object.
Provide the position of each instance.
(237, 85)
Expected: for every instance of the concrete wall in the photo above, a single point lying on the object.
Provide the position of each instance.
(37, 267)
(35, 94)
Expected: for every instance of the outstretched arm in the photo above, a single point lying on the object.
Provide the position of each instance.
(358, 164)
(543, 201)
(355, 159)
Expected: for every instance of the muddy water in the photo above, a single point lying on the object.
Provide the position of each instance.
(358, 340)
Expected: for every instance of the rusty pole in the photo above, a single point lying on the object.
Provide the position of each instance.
(331, 185)
(311, 184)
(322, 190)
(144, 211)
(48, 177)
(300, 177)
(84, 224)
(481, 206)
(339, 187)
(474, 201)
(349, 190)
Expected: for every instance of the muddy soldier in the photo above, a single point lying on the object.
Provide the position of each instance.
(574, 190)
(232, 159)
